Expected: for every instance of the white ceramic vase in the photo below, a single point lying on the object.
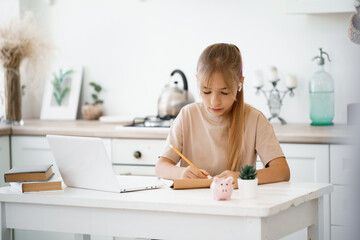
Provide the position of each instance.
(247, 188)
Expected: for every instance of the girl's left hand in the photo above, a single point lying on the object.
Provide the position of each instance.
(229, 173)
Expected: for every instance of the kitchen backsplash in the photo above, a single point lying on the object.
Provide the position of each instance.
(131, 47)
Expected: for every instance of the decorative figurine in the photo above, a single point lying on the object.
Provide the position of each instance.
(274, 99)
(222, 188)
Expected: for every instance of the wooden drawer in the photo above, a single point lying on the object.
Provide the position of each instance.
(340, 205)
(124, 151)
(341, 163)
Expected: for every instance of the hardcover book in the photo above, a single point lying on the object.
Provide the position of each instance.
(51, 185)
(40, 172)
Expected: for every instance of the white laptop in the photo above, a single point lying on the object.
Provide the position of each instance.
(84, 163)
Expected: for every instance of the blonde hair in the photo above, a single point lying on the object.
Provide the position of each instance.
(226, 59)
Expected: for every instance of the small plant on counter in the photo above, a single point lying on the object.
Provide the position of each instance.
(247, 182)
(95, 110)
(248, 172)
(95, 96)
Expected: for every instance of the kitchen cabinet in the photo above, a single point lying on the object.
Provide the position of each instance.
(342, 164)
(309, 163)
(318, 6)
(27, 150)
(339, 233)
(4, 157)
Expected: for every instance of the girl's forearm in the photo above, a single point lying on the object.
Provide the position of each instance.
(277, 171)
(166, 169)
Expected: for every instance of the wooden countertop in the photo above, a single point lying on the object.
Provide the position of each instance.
(87, 129)
(5, 129)
(289, 133)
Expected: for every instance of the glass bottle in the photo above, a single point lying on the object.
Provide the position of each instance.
(321, 89)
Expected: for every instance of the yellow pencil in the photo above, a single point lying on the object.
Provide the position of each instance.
(187, 160)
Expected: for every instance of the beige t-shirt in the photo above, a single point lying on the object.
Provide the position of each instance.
(202, 138)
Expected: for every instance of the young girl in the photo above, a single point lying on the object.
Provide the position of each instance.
(221, 133)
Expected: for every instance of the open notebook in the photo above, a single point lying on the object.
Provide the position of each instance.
(83, 163)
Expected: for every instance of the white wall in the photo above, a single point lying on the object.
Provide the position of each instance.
(131, 46)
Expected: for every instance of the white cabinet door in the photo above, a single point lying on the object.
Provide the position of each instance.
(27, 150)
(341, 233)
(342, 166)
(342, 162)
(309, 163)
(4, 157)
(340, 205)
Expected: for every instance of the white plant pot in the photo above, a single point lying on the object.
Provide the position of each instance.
(247, 188)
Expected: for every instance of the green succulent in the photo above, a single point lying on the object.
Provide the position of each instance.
(248, 172)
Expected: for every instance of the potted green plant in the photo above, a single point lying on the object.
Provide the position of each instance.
(247, 182)
(95, 110)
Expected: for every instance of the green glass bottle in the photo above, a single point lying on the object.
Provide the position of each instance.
(321, 89)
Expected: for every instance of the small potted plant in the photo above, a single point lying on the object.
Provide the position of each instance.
(95, 110)
(247, 182)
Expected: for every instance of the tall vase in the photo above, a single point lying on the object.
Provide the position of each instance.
(13, 113)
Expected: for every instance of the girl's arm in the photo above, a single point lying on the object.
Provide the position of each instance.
(277, 170)
(165, 168)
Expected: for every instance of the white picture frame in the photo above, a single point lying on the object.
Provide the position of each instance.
(67, 110)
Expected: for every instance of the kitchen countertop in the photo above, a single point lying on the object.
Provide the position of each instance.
(289, 133)
(5, 130)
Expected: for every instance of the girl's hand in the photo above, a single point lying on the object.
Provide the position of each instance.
(191, 173)
(228, 173)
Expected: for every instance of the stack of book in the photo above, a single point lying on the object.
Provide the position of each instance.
(33, 178)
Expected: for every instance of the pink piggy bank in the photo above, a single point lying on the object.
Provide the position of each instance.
(222, 188)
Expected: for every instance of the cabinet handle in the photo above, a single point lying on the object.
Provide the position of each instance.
(137, 154)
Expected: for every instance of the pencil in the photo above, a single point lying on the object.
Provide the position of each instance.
(187, 160)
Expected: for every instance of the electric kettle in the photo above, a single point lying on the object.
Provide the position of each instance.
(173, 98)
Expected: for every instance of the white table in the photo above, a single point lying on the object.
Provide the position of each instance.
(278, 210)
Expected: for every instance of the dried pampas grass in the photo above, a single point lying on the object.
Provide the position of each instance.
(22, 40)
